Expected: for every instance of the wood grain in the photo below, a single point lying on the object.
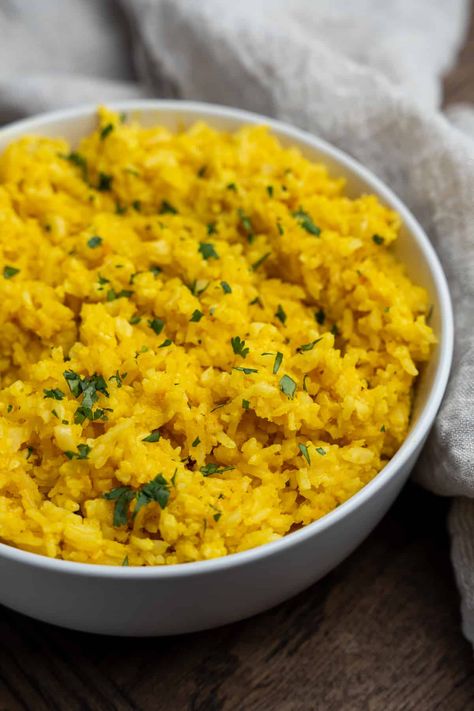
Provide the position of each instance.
(381, 632)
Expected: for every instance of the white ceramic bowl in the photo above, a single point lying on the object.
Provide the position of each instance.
(195, 596)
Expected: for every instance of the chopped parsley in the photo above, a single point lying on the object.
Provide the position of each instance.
(304, 451)
(79, 161)
(167, 208)
(277, 363)
(137, 206)
(202, 171)
(135, 319)
(280, 229)
(167, 342)
(238, 346)
(231, 186)
(245, 404)
(156, 325)
(9, 272)
(288, 386)
(119, 378)
(308, 346)
(54, 394)
(102, 280)
(94, 242)
(155, 270)
(256, 302)
(305, 388)
(196, 442)
(211, 228)
(154, 436)
(321, 451)
(378, 239)
(196, 287)
(82, 452)
(209, 469)
(382, 429)
(112, 295)
(197, 316)
(89, 388)
(106, 130)
(320, 317)
(247, 371)
(260, 261)
(306, 222)
(207, 251)
(157, 490)
(120, 209)
(335, 330)
(246, 223)
(10, 408)
(125, 561)
(105, 182)
(217, 516)
(280, 314)
(226, 288)
(270, 190)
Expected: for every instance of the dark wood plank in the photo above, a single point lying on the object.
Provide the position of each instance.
(382, 631)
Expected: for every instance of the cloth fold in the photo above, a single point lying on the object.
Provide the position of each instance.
(364, 75)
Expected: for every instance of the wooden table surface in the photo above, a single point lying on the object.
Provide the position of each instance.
(382, 631)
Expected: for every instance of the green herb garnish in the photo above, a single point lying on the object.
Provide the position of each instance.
(196, 442)
(154, 436)
(125, 561)
(288, 386)
(280, 314)
(119, 378)
(94, 242)
(211, 228)
(378, 239)
(202, 171)
(197, 316)
(226, 288)
(207, 251)
(112, 295)
(320, 317)
(277, 363)
(280, 229)
(157, 325)
(167, 342)
(167, 208)
(105, 182)
(304, 451)
(209, 469)
(382, 429)
(217, 516)
(135, 319)
(260, 261)
(9, 272)
(238, 346)
(321, 451)
(247, 371)
(270, 190)
(245, 404)
(106, 130)
(82, 452)
(308, 346)
(246, 223)
(335, 330)
(232, 186)
(306, 222)
(156, 490)
(79, 161)
(54, 394)
(155, 270)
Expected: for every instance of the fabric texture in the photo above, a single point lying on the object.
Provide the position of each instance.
(362, 74)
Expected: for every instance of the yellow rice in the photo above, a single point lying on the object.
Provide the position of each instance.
(96, 306)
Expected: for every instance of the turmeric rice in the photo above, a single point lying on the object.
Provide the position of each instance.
(205, 344)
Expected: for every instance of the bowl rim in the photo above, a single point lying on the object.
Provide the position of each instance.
(415, 438)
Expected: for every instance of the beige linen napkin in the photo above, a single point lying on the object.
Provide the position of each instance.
(363, 74)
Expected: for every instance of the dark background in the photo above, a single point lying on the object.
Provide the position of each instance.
(382, 631)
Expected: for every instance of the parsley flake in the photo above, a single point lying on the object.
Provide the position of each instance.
(113, 295)
(378, 239)
(280, 314)
(209, 469)
(226, 288)
(260, 261)
(246, 223)
(321, 451)
(154, 436)
(245, 404)
(247, 371)
(196, 442)
(167, 208)
(288, 386)
(304, 451)
(277, 363)
(197, 316)
(156, 324)
(207, 251)
(106, 130)
(306, 222)
(308, 346)
(105, 182)
(82, 452)
(94, 242)
(320, 317)
(54, 394)
(270, 190)
(9, 272)
(238, 346)
(211, 228)
(167, 342)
